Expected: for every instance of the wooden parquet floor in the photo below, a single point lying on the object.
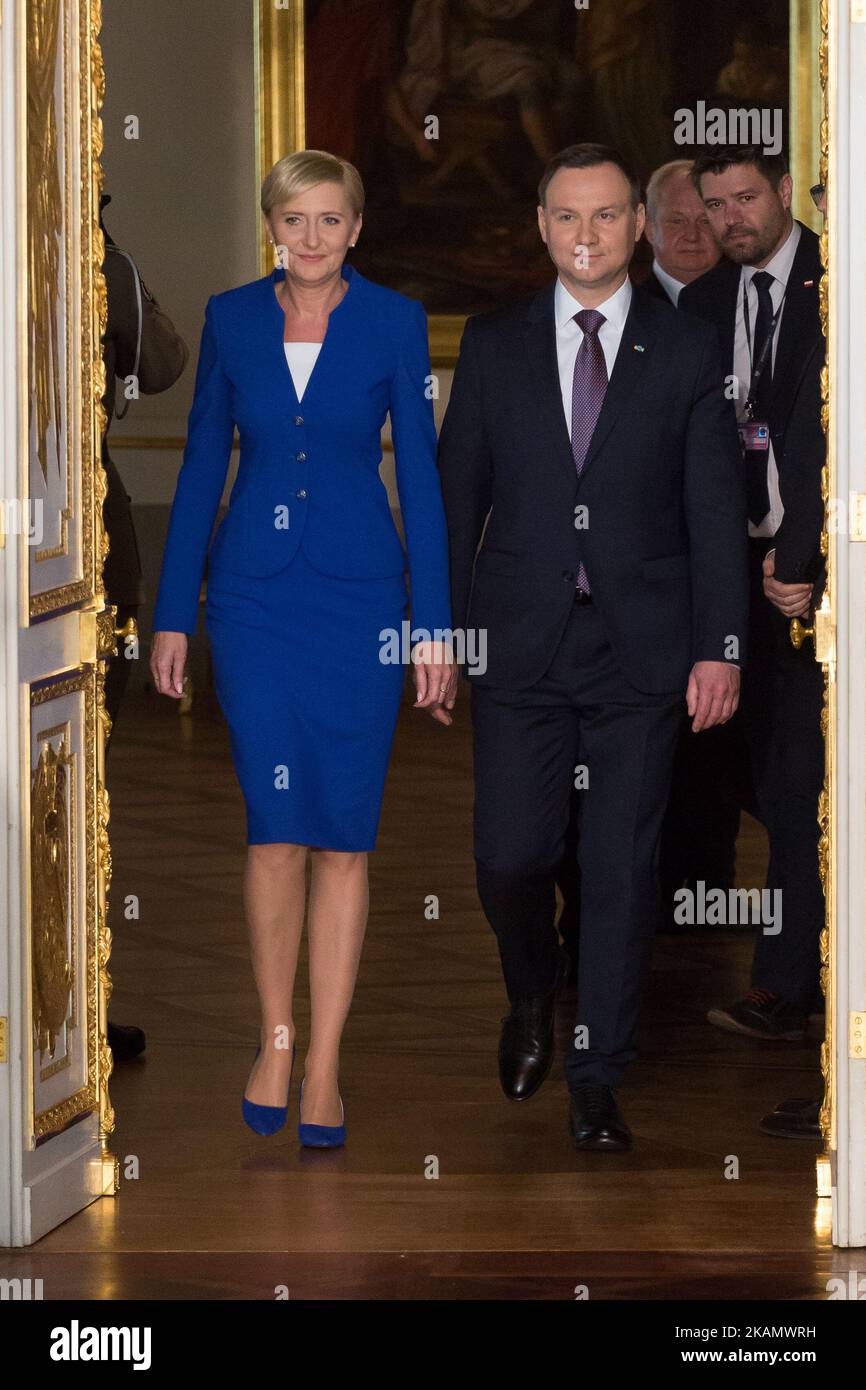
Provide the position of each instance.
(514, 1212)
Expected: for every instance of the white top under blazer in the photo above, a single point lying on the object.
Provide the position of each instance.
(301, 358)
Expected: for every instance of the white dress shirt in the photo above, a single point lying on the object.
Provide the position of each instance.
(569, 336)
(670, 286)
(780, 268)
(301, 358)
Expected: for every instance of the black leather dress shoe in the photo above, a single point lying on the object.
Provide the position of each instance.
(788, 1107)
(526, 1046)
(595, 1121)
(568, 968)
(761, 1014)
(126, 1041)
(794, 1120)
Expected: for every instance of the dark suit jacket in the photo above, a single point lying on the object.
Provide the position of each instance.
(794, 409)
(664, 547)
(654, 286)
(163, 358)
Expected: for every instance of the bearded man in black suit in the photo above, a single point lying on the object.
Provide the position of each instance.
(763, 298)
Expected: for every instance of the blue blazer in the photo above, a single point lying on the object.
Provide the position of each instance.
(309, 472)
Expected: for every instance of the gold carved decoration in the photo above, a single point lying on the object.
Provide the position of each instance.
(103, 933)
(106, 643)
(278, 47)
(106, 646)
(85, 71)
(804, 107)
(47, 137)
(50, 912)
(85, 1099)
(85, 354)
(826, 803)
(95, 934)
(96, 420)
(44, 222)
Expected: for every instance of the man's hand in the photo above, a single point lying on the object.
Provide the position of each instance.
(436, 679)
(792, 600)
(713, 693)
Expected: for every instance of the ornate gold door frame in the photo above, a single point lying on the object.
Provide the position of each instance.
(825, 652)
(57, 1054)
(840, 627)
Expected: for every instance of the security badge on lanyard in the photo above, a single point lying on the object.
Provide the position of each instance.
(755, 434)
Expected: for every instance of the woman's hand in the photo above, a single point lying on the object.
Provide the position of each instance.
(435, 679)
(167, 660)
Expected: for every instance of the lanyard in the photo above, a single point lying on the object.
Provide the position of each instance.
(758, 367)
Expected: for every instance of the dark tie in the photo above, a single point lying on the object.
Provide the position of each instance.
(587, 396)
(757, 460)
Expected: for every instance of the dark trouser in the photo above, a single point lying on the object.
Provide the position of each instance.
(568, 883)
(527, 744)
(119, 668)
(699, 835)
(780, 722)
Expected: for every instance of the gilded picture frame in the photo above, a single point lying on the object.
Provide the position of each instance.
(284, 47)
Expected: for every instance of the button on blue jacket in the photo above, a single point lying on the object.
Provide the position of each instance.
(308, 473)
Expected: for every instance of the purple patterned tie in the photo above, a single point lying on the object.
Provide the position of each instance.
(587, 395)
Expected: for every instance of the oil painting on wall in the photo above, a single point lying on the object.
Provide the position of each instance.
(450, 109)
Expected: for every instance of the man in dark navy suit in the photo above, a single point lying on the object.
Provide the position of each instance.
(763, 297)
(700, 830)
(589, 439)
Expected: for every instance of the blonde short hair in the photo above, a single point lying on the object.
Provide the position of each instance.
(295, 173)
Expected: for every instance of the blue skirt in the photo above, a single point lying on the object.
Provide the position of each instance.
(310, 707)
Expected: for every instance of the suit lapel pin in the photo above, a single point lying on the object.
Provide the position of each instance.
(638, 347)
(807, 284)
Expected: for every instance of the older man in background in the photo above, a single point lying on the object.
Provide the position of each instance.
(678, 230)
(703, 818)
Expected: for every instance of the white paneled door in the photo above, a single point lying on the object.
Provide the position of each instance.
(54, 858)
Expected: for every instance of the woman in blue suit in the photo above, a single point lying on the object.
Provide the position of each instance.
(306, 578)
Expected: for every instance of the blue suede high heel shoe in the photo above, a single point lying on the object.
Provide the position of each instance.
(267, 1119)
(321, 1136)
